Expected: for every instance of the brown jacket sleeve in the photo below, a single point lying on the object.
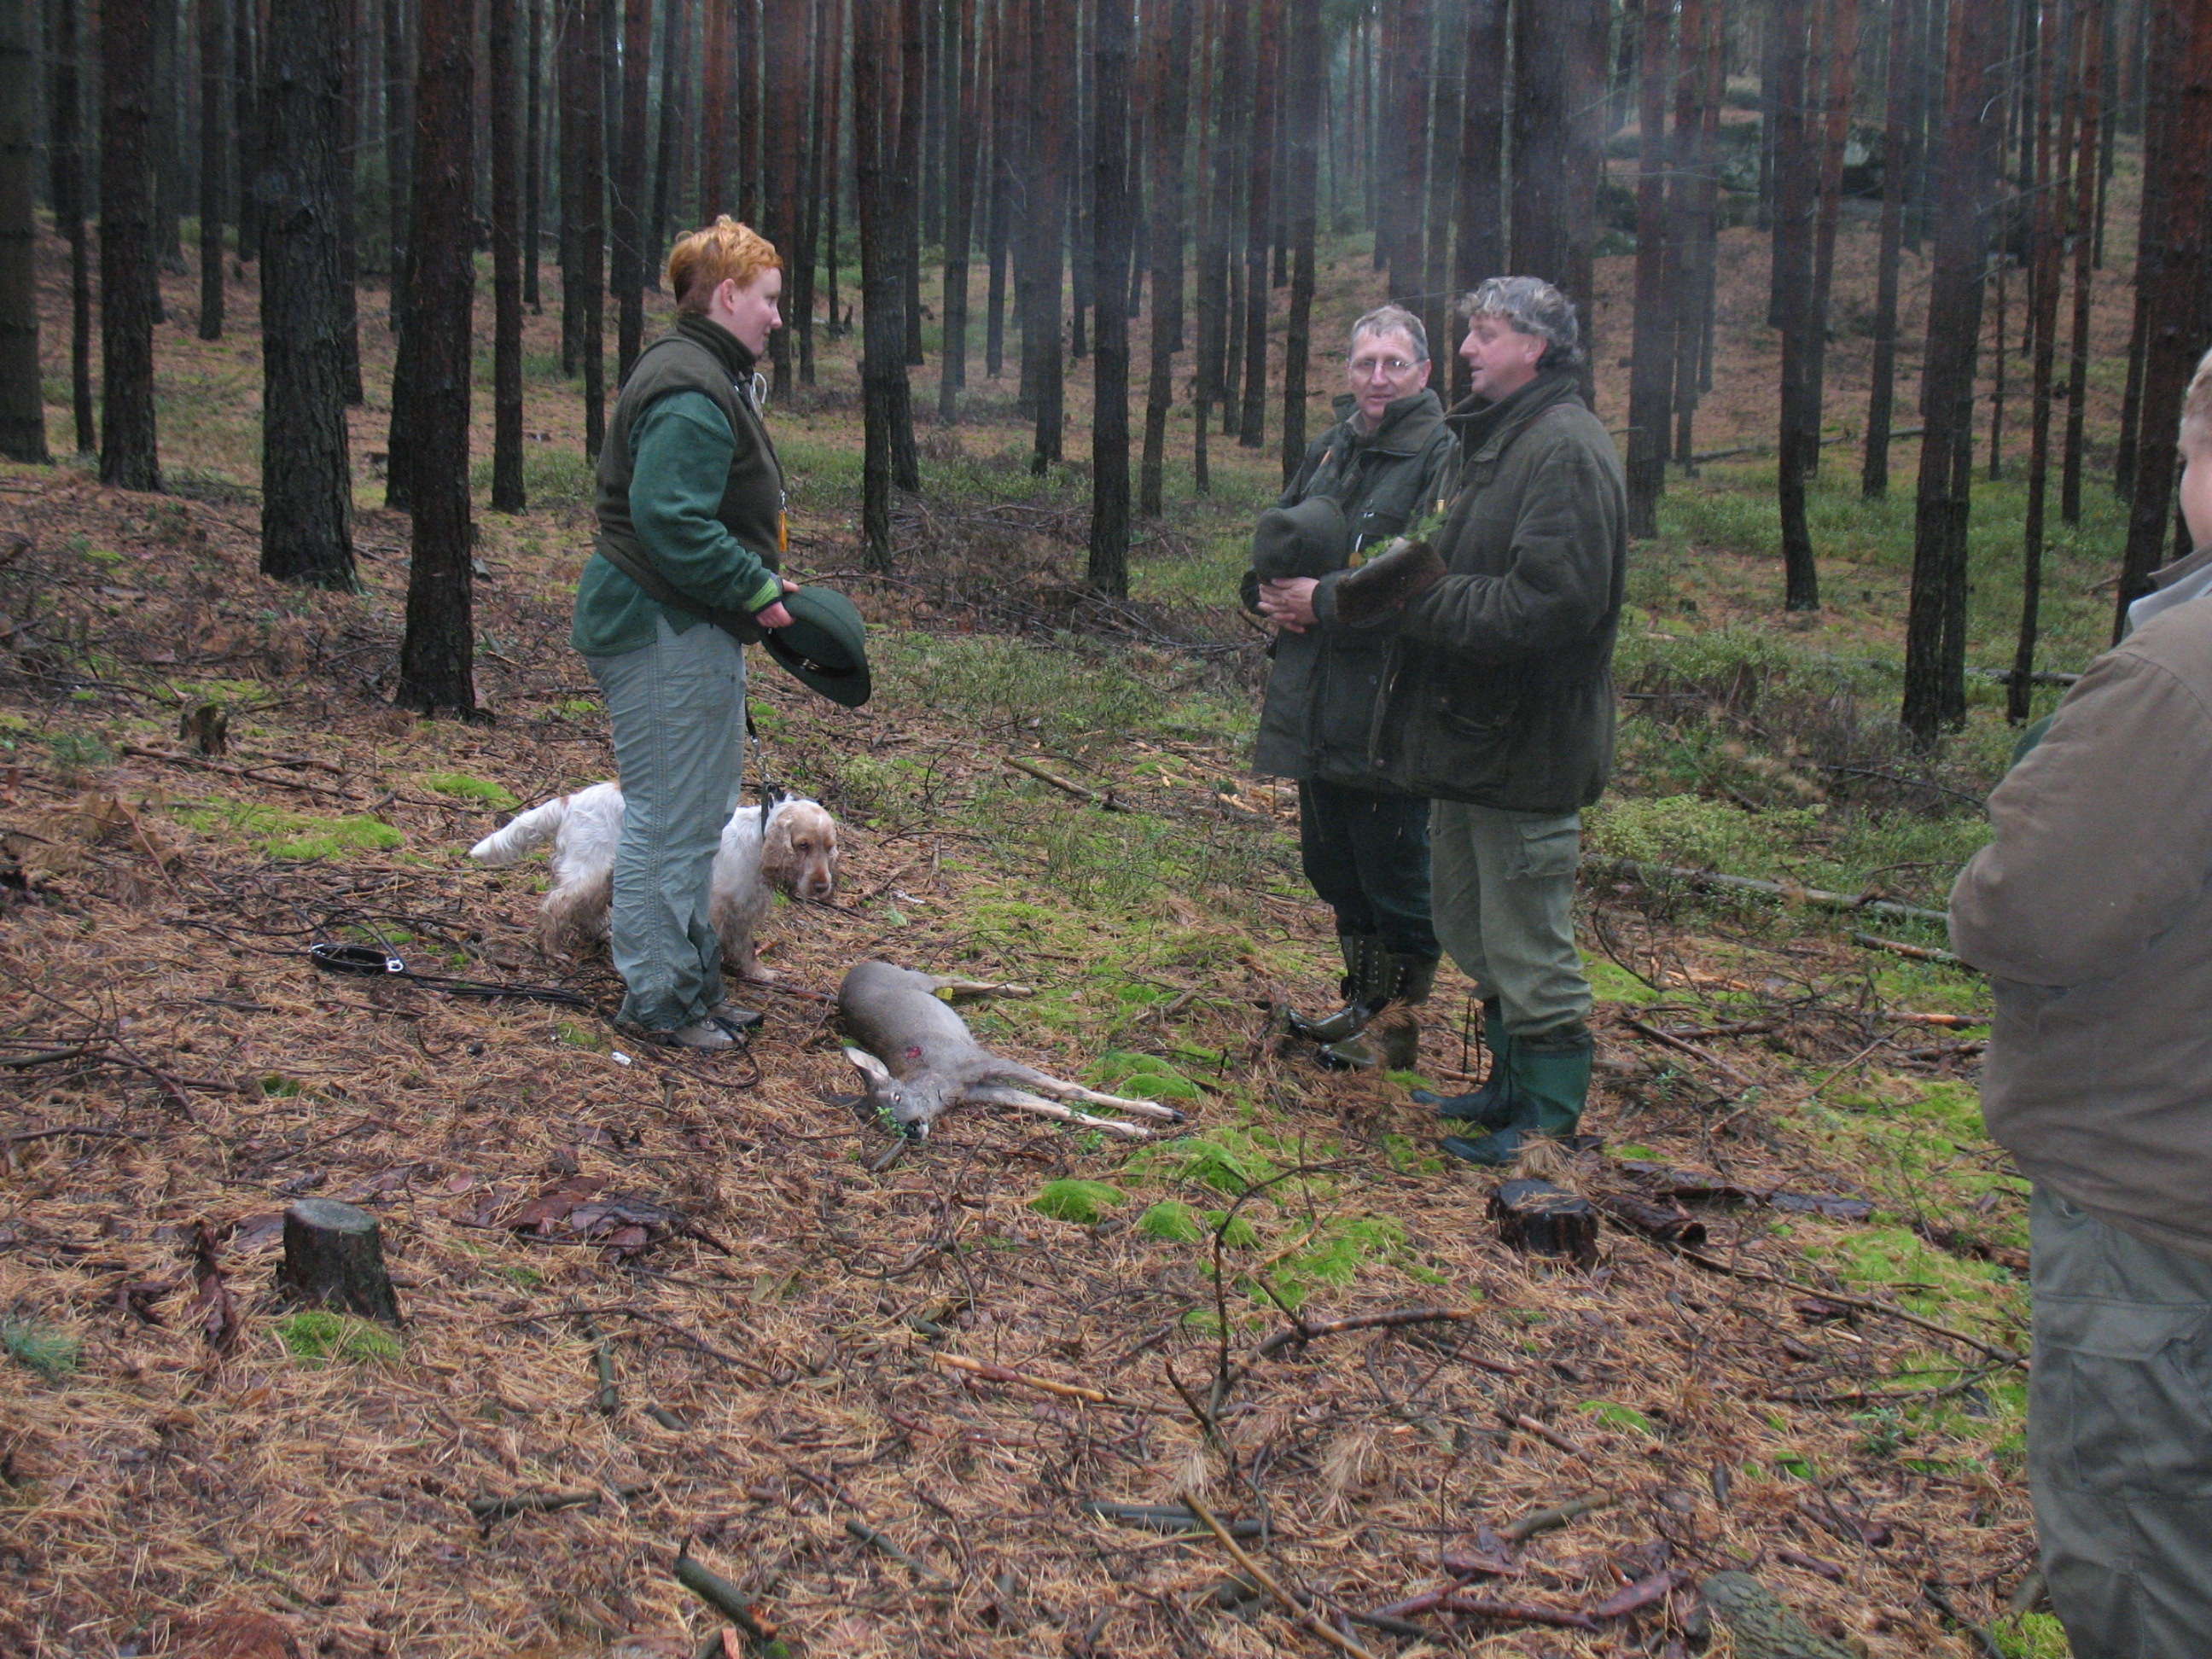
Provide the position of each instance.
(2103, 833)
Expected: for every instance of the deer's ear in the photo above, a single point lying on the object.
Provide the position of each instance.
(874, 1070)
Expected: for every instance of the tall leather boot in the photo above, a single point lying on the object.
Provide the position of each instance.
(1393, 1045)
(1487, 1107)
(1547, 1081)
(1363, 957)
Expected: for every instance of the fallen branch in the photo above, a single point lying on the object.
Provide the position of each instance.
(1547, 1520)
(1302, 1333)
(720, 1593)
(241, 773)
(1107, 801)
(1706, 1056)
(1863, 1303)
(1641, 1594)
(1917, 953)
(691, 1336)
(876, 1540)
(1483, 1606)
(1543, 1431)
(1161, 1517)
(610, 1396)
(1259, 1575)
(1041, 1384)
(488, 1509)
(1815, 896)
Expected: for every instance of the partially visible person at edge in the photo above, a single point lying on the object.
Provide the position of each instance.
(1381, 470)
(2091, 912)
(691, 506)
(1498, 703)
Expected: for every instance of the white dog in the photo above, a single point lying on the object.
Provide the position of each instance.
(791, 848)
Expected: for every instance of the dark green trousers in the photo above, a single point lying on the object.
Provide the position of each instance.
(2120, 1435)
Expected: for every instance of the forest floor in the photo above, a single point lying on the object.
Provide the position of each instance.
(1826, 1390)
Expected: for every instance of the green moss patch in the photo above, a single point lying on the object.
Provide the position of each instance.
(316, 1336)
(462, 787)
(283, 835)
(1080, 1201)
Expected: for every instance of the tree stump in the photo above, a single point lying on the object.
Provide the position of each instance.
(1537, 1218)
(334, 1255)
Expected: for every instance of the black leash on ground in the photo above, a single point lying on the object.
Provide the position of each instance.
(374, 962)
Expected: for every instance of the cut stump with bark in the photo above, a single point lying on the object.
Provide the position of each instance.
(1537, 1218)
(334, 1255)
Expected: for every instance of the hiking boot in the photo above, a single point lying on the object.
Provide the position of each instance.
(1486, 1106)
(705, 1034)
(1393, 1045)
(1362, 958)
(741, 1022)
(1548, 1078)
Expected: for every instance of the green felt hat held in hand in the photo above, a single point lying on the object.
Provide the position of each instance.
(826, 646)
(1309, 539)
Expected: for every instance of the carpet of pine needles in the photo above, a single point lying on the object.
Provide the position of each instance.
(775, 1313)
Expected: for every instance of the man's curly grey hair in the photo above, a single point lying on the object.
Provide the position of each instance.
(1392, 319)
(1530, 304)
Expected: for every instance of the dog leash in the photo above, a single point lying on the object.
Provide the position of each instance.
(372, 961)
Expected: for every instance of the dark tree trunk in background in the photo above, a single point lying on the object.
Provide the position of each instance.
(1007, 32)
(306, 471)
(23, 398)
(348, 184)
(1401, 146)
(821, 181)
(717, 71)
(1693, 197)
(1901, 120)
(1444, 136)
(533, 153)
(961, 134)
(1479, 246)
(1108, 568)
(751, 103)
(1307, 62)
(1935, 624)
(1169, 27)
(833, 108)
(1259, 216)
(127, 271)
(876, 36)
(913, 82)
(1652, 369)
(1797, 162)
(65, 157)
(214, 151)
(1215, 181)
(1559, 58)
(507, 493)
(1840, 24)
(668, 167)
(630, 185)
(2175, 309)
(1052, 57)
(399, 139)
(783, 82)
(2043, 323)
(437, 654)
(583, 188)
(2087, 92)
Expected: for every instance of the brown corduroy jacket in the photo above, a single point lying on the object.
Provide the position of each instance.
(2091, 912)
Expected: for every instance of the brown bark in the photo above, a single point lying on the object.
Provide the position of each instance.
(583, 186)
(876, 35)
(1935, 637)
(1479, 247)
(821, 179)
(533, 150)
(1259, 207)
(1051, 55)
(1206, 280)
(436, 655)
(1307, 68)
(1692, 204)
(1796, 204)
(1652, 368)
(2087, 86)
(506, 492)
(1169, 79)
(668, 165)
(127, 455)
(1107, 571)
(214, 147)
(718, 69)
(1006, 33)
(962, 132)
(23, 398)
(1559, 57)
(1441, 171)
(629, 197)
(2043, 317)
(1840, 27)
(2175, 310)
(784, 83)
(306, 471)
(1901, 120)
(906, 465)
(65, 154)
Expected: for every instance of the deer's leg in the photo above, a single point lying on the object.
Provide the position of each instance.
(1045, 1083)
(1022, 1101)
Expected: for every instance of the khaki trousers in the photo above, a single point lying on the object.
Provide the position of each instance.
(1502, 887)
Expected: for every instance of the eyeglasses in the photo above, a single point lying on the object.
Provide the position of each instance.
(1366, 369)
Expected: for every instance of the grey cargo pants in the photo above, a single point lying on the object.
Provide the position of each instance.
(2119, 1435)
(1502, 887)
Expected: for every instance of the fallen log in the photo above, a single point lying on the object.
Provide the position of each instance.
(1306, 1331)
(1667, 1224)
(720, 1593)
(1818, 897)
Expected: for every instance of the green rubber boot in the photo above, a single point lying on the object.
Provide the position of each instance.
(1363, 962)
(1394, 1044)
(1548, 1080)
(1487, 1107)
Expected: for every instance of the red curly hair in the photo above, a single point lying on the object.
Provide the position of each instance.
(724, 251)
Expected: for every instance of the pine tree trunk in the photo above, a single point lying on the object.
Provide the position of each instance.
(214, 146)
(668, 164)
(1169, 79)
(306, 471)
(1796, 203)
(876, 35)
(629, 197)
(1258, 219)
(1900, 117)
(399, 139)
(2043, 313)
(584, 189)
(719, 70)
(436, 655)
(1108, 568)
(348, 187)
(822, 68)
(533, 152)
(1560, 59)
(1691, 197)
(1936, 640)
(506, 492)
(783, 69)
(1307, 68)
(1651, 369)
(1479, 248)
(961, 134)
(1207, 279)
(1051, 57)
(127, 270)
(23, 398)
(2087, 90)
(1443, 180)
(751, 104)
(1214, 309)
(2179, 102)
(1006, 30)
(1840, 27)
(65, 155)
(906, 465)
